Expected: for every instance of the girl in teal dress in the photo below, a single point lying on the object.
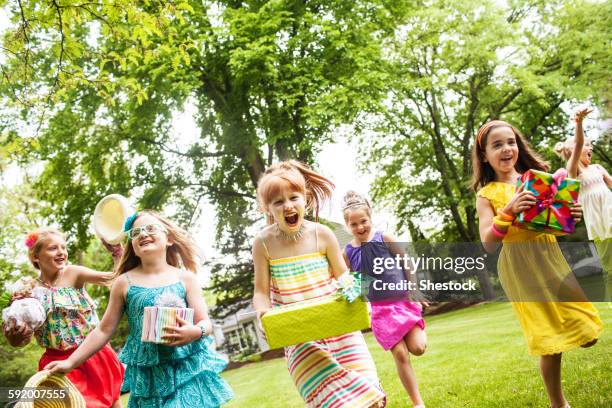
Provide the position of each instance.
(184, 372)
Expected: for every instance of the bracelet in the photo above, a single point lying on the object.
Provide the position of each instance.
(501, 223)
(497, 232)
(505, 216)
(201, 326)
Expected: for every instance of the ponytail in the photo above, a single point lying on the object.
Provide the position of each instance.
(316, 188)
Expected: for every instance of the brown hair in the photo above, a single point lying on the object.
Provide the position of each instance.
(183, 253)
(483, 173)
(38, 238)
(352, 200)
(301, 178)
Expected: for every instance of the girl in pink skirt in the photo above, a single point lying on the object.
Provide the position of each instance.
(397, 323)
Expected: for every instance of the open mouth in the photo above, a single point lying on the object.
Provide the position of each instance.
(506, 159)
(60, 260)
(145, 242)
(292, 220)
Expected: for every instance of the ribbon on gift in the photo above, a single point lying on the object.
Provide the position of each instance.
(349, 285)
(547, 199)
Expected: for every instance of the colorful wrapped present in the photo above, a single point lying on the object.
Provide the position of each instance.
(555, 195)
(314, 319)
(157, 317)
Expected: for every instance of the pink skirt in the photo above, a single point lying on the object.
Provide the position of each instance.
(392, 320)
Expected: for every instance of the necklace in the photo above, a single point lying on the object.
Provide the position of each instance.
(52, 283)
(291, 236)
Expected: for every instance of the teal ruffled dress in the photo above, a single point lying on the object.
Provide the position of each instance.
(160, 376)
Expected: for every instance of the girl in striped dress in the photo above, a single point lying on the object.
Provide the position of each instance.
(296, 260)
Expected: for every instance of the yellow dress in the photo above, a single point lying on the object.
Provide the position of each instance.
(532, 266)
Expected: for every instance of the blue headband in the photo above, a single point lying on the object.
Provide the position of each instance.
(129, 221)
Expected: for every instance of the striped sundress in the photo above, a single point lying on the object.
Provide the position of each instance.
(333, 372)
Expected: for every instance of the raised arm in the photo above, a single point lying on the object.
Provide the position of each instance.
(87, 275)
(574, 160)
(101, 334)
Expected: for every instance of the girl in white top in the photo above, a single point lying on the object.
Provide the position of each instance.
(595, 194)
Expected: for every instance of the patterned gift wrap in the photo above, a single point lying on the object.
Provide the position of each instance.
(555, 195)
(314, 319)
(155, 318)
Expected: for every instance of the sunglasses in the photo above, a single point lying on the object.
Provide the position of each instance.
(149, 229)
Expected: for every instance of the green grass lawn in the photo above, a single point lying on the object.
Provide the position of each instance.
(476, 357)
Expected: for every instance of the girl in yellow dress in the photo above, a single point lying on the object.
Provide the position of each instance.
(531, 265)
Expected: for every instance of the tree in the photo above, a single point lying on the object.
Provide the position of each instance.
(99, 84)
(458, 64)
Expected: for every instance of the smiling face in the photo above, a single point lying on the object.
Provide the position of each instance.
(359, 222)
(501, 150)
(152, 239)
(287, 207)
(53, 255)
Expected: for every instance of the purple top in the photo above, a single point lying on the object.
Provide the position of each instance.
(362, 259)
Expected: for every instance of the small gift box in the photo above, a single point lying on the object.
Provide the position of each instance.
(314, 319)
(555, 195)
(157, 317)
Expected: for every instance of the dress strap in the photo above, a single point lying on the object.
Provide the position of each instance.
(263, 242)
(127, 276)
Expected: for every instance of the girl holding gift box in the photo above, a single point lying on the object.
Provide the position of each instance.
(397, 323)
(595, 193)
(499, 156)
(183, 372)
(70, 317)
(296, 260)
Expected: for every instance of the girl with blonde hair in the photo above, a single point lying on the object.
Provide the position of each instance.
(70, 317)
(159, 262)
(595, 194)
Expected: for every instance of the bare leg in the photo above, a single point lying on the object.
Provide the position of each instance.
(550, 367)
(405, 371)
(117, 404)
(416, 341)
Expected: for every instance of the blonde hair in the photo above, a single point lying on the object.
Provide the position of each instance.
(316, 188)
(183, 253)
(38, 238)
(351, 201)
(564, 149)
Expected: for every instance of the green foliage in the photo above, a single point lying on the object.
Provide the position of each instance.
(458, 64)
(90, 91)
(99, 84)
(18, 364)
